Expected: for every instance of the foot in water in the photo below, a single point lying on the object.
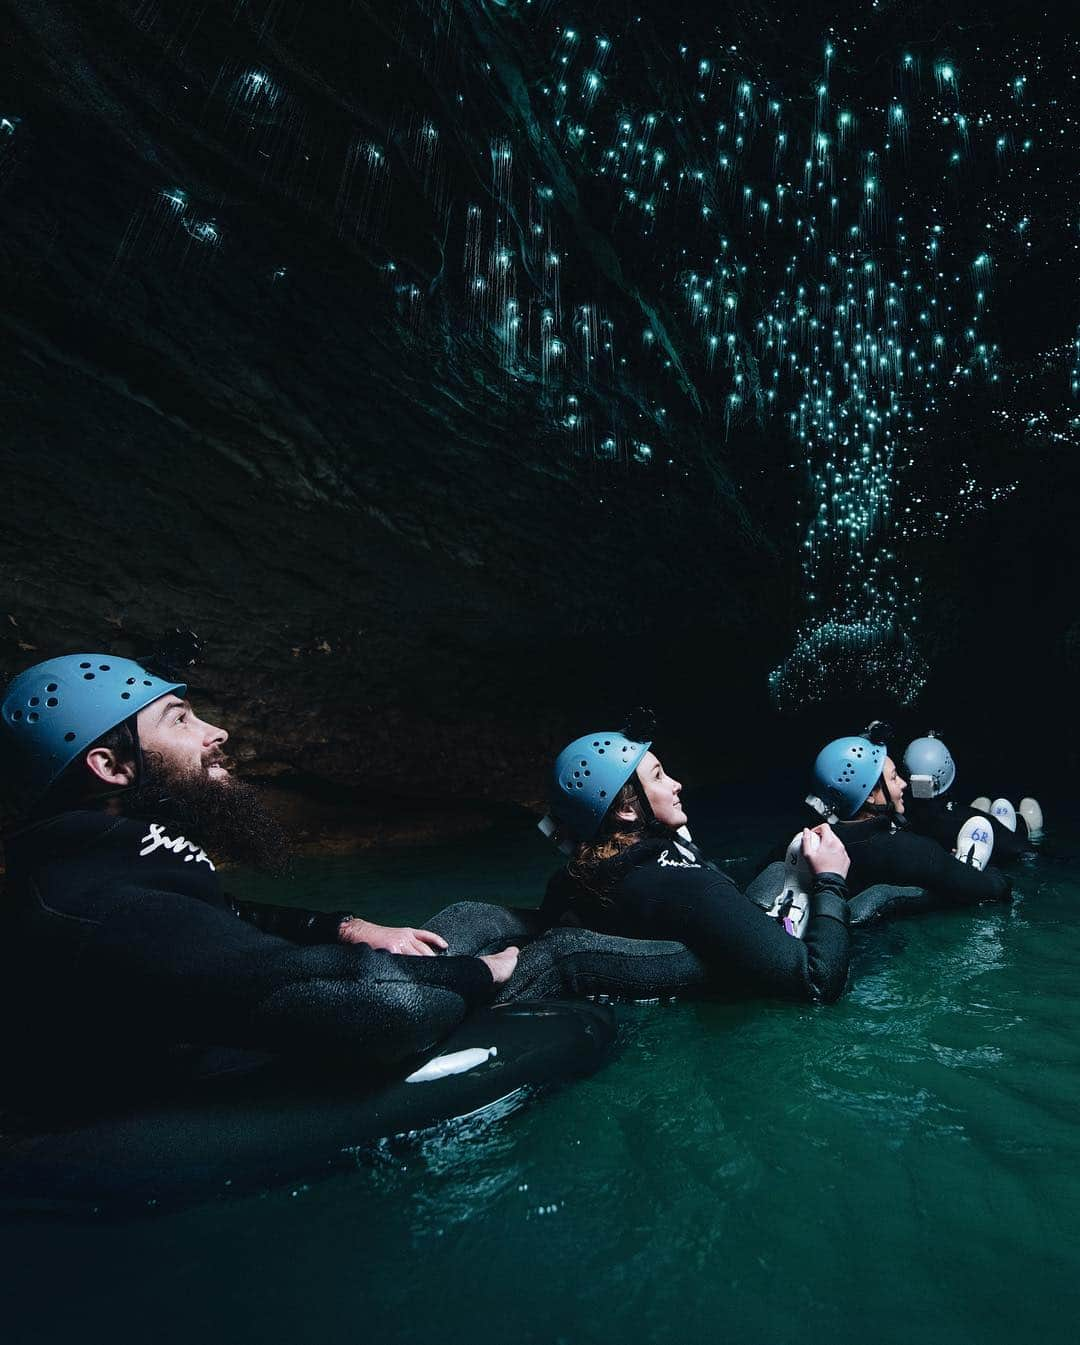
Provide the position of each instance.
(501, 965)
(1005, 813)
(975, 843)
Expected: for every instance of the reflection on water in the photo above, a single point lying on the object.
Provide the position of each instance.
(903, 1164)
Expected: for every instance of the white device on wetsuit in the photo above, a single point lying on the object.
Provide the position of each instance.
(792, 905)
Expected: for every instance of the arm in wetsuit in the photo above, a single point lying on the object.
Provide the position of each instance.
(205, 976)
(904, 859)
(316, 927)
(703, 908)
(291, 922)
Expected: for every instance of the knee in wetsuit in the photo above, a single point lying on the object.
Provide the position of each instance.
(579, 962)
(475, 928)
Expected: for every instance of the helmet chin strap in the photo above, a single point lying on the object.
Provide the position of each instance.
(648, 817)
(136, 744)
(139, 760)
(887, 809)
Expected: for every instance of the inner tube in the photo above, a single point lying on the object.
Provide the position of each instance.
(567, 961)
(259, 1130)
(884, 900)
(881, 901)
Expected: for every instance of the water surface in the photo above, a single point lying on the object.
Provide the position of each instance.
(903, 1164)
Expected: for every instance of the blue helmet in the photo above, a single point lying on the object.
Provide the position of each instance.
(56, 709)
(929, 756)
(846, 772)
(587, 776)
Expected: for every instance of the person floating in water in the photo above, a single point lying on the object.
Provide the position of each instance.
(857, 782)
(634, 871)
(934, 808)
(125, 964)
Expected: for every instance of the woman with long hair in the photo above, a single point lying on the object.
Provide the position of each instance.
(633, 870)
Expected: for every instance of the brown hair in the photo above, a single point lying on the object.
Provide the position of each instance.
(76, 786)
(616, 834)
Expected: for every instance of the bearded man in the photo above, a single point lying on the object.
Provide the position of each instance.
(125, 967)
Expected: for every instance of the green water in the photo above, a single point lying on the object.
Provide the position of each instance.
(902, 1165)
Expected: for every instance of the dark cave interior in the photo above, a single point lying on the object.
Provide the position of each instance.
(469, 373)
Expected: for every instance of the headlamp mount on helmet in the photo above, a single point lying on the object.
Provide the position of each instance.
(640, 724)
(879, 732)
(175, 651)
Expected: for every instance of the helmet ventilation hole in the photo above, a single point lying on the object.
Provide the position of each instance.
(88, 677)
(69, 737)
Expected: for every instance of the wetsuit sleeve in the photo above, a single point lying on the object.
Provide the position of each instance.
(742, 945)
(291, 922)
(904, 859)
(206, 977)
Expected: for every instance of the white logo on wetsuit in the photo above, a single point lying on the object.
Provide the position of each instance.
(155, 839)
(688, 863)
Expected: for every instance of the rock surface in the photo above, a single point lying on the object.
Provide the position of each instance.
(243, 391)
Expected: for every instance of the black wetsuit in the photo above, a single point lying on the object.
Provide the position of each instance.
(942, 818)
(124, 969)
(664, 888)
(884, 851)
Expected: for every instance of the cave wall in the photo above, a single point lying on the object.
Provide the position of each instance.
(244, 391)
(402, 585)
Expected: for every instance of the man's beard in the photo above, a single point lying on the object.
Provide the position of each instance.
(224, 815)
